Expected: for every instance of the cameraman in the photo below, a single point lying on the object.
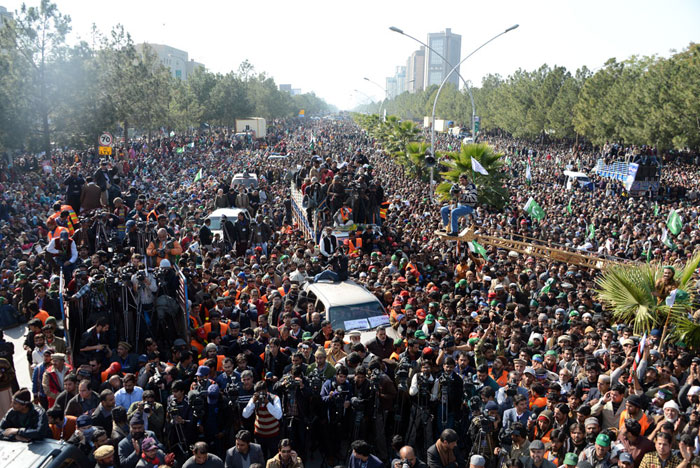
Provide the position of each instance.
(448, 391)
(152, 411)
(268, 414)
(408, 459)
(336, 394)
(296, 398)
(213, 424)
(422, 418)
(145, 288)
(178, 429)
(163, 247)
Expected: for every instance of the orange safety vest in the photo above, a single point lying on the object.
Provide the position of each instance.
(56, 232)
(353, 246)
(643, 421)
(502, 380)
(219, 362)
(153, 213)
(222, 332)
(42, 315)
(345, 214)
(383, 210)
(538, 401)
(281, 291)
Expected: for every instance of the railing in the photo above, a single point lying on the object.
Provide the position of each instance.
(61, 305)
(183, 301)
(299, 213)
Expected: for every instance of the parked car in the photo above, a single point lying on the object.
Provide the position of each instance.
(231, 213)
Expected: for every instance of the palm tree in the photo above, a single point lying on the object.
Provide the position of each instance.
(491, 188)
(628, 291)
(414, 158)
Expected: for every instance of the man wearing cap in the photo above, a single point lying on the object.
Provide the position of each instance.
(598, 455)
(52, 381)
(130, 448)
(536, 458)
(64, 253)
(25, 421)
(104, 456)
(127, 361)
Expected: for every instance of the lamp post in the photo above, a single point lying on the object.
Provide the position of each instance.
(365, 95)
(466, 85)
(381, 104)
(432, 125)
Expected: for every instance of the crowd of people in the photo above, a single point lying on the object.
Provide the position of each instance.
(155, 338)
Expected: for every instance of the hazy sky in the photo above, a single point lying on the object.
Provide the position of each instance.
(329, 46)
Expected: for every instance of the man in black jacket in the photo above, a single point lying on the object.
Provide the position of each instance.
(25, 421)
(74, 187)
(445, 453)
(205, 235)
(449, 392)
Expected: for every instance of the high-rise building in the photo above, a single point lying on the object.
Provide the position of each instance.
(4, 14)
(400, 79)
(449, 45)
(391, 88)
(415, 69)
(287, 88)
(176, 60)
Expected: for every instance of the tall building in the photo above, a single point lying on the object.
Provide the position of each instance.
(400, 79)
(391, 88)
(449, 45)
(415, 69)
(4, 14)
(176, 60)
(287, 88)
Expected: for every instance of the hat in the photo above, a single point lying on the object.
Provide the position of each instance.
(546, 414)
(306, 336)
(570, 459)
(478, 460)
(638, 400)
(165, 263)
(627, 341)
(354, 333)
(625, 457)
(213, 393)
(62, 357)
(603, 440)
(430, 318)
(202, 371)
(83, 421)
(124, 345)
(537, 358)
(536, 445)
(694, 390)
(149, 443)
(64, 235)
(420, 335)
(672, 404)
(491, 405)
(590, 421)
(529, 370)
(550, 352)
(104, 451)
(209, 347)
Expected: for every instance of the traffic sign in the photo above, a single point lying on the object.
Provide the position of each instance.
(106, 139)
(105, 151)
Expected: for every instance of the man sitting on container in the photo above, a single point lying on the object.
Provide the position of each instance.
(464, 197)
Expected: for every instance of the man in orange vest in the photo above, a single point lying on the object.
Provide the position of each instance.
(633, 410)
(54, 229)
(215, 325)
(343, 216)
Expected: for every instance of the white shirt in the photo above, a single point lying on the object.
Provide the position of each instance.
(274, 407)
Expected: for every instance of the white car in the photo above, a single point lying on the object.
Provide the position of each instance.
(247, 179)
(231, 214)
(349, 306)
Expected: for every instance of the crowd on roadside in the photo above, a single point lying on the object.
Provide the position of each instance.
(486, 368)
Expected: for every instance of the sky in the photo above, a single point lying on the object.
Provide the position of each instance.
(329, 47)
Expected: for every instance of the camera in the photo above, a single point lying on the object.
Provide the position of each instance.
(196, 400)
(402, 374)
(404, 463)
(140, 276)
(316, 381)
(147, 408)
(511, 390)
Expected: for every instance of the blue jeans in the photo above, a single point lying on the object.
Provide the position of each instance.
(456, 213)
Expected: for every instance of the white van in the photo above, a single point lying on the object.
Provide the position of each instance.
(349, 306)
(246, 179)
(577, 180)
(231, 214)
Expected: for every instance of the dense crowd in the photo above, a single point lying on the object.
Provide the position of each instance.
(156, 339)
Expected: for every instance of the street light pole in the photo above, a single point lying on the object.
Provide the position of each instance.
(381, 104)
(432, 126)
(466, 85)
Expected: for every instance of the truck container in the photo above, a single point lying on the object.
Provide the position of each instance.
(256, 125)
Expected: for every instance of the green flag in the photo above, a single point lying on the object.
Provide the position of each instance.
(478, 248)
(191, 145)
(528, 175)
(547, 286)
(180, 150)
(674, 223)
(648, 253)
(534, 210)
(656, 209)
(568, 208)
(198, 176)
(591, 231)
(666, 240)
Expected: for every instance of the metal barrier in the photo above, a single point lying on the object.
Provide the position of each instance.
(183, 300)
(299, 214)
(64, 318)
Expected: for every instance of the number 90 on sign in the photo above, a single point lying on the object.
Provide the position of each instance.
(105, 151)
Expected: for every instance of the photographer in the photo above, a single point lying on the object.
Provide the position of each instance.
(296, 396)
(268, 414)
(145, 288)
(422, 419)
(408, 459)
(178, 429)
(216, 417)
(163, 247)
(336, 394)
(447, 391)
(153, 413)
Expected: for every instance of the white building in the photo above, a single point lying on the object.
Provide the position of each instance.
(176, 60)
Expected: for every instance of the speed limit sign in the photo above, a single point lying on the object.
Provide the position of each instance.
(106, 139)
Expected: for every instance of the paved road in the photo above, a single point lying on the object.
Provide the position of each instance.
(16, 336)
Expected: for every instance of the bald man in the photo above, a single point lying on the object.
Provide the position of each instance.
(163, 247)
(408, 455)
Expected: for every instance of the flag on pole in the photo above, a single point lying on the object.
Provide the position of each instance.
(591, 231)
(656, 209)
(534, 210)
(665, 240)
(528, 174)
(191, 145)
(671, 298)
(674, 222)
(180, 150)
(478, 248)
(198, 176)
(477, 167)
(547, 286)
(639, 355)
(568, 207)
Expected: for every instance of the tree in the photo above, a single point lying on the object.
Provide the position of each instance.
(35, 39)
(491, 187)
(628, 291)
